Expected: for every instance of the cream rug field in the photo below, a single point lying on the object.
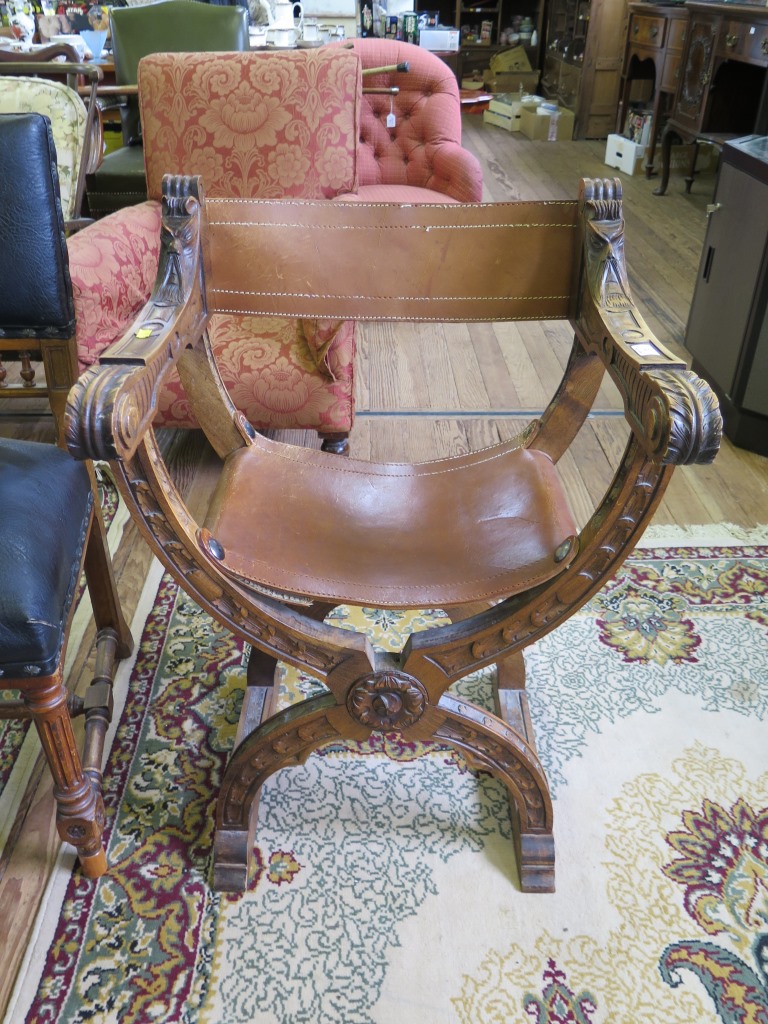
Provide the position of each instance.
(386, 889)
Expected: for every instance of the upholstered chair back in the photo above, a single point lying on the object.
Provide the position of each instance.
(262, 125)
(69, 118)
(178, 25)
(423, 148)
(254, 125)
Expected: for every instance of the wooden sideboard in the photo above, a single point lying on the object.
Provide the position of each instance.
(721, 90)
(652, 60)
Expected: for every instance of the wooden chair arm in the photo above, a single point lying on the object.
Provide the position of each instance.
(113, 403)
(112, 90)
(673, 412)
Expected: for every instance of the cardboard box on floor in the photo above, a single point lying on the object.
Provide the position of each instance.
(510, 71)
(505, 109)
(554, 126)
(510, 81)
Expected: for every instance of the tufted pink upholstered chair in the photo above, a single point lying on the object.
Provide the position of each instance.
(254, 125)
(421, 159)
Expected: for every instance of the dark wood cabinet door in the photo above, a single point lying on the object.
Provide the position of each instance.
(698, 60)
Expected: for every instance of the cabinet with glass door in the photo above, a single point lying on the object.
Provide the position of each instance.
(584, 50)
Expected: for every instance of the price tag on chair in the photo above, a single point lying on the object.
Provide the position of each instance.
(391, 119)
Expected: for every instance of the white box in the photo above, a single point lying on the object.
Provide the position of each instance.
(624, 154)
(445, 39)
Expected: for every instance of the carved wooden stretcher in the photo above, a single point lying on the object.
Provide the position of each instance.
(488, 536)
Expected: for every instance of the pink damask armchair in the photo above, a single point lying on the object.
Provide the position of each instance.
(254, 125)
(267, 125)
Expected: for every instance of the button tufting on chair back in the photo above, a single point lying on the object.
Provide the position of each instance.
(423, 149)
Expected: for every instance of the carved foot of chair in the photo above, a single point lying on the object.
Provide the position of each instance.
(286, 738)
(503, 749)
(336, 444)
(536, 861)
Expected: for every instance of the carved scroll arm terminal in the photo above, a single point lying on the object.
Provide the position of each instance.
(673, 412)
(113, 403)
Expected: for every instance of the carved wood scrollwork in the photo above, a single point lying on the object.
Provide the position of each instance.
(285, 739)
(696, 74)
(674, 413)
(490, 745)
(387, 700)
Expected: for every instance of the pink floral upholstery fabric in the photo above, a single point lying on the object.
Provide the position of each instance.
(423, 150)
(113, 264)
(272, 374)
(262, 125)
(258, 125)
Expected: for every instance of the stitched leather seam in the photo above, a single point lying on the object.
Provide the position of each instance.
(278, 453)
(523, 203)
(410, 318)
(386, 227)
(407, 298)
(398, 588)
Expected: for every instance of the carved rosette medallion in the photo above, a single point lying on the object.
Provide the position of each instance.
(387, 700)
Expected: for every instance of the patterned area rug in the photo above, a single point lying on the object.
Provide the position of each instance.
(386, 887)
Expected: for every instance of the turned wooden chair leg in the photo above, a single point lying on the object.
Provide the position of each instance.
(80, 815)
(102, 586)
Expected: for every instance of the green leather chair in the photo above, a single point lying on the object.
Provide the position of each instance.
(172, 26)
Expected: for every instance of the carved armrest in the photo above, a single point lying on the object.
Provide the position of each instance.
(673, 412)
(113, 403)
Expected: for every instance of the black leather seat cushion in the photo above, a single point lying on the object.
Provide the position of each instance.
(45, 503)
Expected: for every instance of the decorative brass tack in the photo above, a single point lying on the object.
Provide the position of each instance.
(211, 545)
(562, 551)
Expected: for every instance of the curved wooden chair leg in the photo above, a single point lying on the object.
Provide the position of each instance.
(505, 749)
(666, 158)
(286, 738)
(491, 744)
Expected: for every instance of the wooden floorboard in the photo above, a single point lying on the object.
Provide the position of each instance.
(426, 391)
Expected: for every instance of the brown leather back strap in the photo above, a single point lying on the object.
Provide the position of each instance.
(380, 261)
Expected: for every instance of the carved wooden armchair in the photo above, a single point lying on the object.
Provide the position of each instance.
(488, 536)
